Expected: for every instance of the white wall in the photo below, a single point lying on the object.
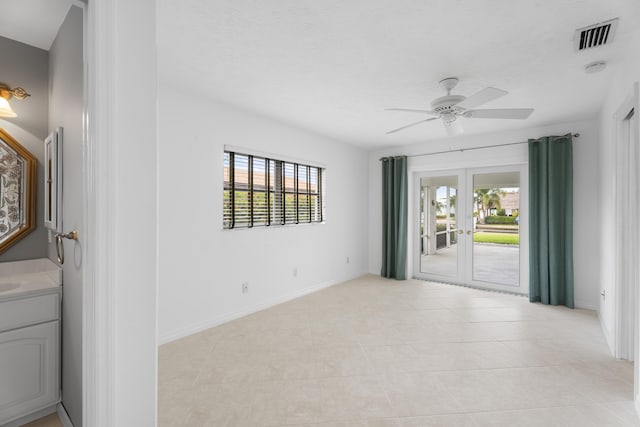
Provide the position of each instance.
(66, 107)
(203, 266)
(622, 86)
(29, 69)
(585, 184)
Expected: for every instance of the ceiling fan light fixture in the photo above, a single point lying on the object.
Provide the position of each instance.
(452, 126)
(448, 118)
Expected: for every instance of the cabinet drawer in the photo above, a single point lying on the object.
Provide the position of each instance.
(28, 311)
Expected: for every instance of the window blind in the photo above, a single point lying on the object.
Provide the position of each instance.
(259, 191)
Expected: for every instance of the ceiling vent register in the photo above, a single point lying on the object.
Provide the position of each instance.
(595, 35)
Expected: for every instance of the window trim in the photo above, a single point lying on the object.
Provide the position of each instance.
(273, 156)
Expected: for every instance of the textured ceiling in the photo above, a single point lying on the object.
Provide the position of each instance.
(332, 66)
(33, 22)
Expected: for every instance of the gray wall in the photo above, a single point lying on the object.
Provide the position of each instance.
(28, 67)
(66, 109)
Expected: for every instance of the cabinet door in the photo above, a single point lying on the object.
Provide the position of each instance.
(29, 370)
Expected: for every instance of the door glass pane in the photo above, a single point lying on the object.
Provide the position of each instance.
(496, 233)
(439, 238)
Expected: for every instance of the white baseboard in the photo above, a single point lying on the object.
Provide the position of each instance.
(227, 317)
(586, 305)
(608, 338)
(64, 417)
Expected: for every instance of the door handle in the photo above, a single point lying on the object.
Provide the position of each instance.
(72, 235)
(468, 232)
(460, 231)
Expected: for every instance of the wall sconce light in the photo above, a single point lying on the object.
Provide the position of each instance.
(5, 96)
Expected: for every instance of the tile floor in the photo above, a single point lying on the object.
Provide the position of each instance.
(376, 352)
(51, 420)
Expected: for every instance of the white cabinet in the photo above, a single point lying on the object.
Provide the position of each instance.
(21, 312)
(29, 356)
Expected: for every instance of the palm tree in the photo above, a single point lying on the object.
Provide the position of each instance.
(487, 199)
(491, 200)
(479, 195)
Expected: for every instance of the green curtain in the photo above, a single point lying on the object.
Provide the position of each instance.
(551, 220)
(394, 217)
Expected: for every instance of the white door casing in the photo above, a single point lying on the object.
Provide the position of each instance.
(120, 262)
(626, 230)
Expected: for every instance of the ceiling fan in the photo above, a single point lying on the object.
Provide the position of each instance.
(450, 108)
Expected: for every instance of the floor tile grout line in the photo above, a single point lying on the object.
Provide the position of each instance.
(376, 374)
(383, 382)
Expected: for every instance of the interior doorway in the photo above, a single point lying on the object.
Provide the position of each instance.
(627, 232)
(472, 227)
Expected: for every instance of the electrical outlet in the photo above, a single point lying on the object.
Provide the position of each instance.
(245, 287)
(347, 260)
(295, 272)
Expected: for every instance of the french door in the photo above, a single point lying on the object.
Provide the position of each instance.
(471, 227)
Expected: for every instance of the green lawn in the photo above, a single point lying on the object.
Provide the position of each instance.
(503, 238)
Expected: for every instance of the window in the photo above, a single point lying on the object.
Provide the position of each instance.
(259, 191)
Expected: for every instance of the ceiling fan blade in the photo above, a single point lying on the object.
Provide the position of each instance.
(503, 113)
(411, 110)
(485, 95)
(413, 124)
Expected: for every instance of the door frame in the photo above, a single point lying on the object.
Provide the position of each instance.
(626, 233)
(99, 309)
(465, 246)
(119, 278)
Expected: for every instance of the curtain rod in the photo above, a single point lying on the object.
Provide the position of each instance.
(575, 135)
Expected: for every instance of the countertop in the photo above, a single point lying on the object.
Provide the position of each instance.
(32, 277)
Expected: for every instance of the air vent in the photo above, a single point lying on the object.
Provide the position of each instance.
(595, 35)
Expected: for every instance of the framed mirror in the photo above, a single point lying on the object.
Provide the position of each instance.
(17, 191)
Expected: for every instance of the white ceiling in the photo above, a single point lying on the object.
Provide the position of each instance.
(33, 22)
(332, 66)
